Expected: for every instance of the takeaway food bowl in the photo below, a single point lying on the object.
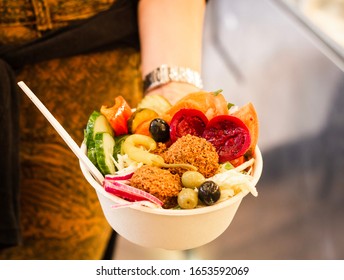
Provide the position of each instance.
(166, 228)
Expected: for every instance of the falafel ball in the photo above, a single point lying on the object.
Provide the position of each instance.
(160, 149)
(158, 182)
(193, 150)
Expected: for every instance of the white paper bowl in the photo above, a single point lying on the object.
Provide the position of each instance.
(165, 228)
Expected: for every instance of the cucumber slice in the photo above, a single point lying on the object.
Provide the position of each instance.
(91, 153)
(97, 122)
(157, 103)
(119, 140)
(104, 146)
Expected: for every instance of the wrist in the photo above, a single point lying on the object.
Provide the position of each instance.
(164, 75)
(174, 91)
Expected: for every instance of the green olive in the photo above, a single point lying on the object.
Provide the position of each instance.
(192, 179)
(187, 198)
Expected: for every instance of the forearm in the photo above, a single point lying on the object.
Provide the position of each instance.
(171, 33)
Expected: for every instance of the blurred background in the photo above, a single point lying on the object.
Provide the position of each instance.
(286, 57)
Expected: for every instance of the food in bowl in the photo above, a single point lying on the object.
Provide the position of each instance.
(196, 153)
(148, 225)
(210, 182)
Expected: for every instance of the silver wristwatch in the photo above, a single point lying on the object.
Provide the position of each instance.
(165, 74)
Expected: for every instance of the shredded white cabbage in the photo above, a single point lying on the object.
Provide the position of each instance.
(225, 194)
(125, 164)
(244, 165)
(232, 181)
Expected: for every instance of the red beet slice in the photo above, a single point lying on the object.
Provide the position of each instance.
(229, 135)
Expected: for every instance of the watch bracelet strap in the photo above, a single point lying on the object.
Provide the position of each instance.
(165, 74)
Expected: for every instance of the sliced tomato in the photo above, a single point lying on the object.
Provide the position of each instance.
(248, 115)
(118, 115)
(229, 135)
(187, 121)
(210, 103)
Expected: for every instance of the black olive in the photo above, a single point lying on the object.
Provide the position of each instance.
(160, 130)
(209, 192)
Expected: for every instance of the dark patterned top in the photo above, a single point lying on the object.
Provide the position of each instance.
(28, 19)
(60, 213)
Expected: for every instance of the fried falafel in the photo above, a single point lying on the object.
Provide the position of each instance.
(193, 150)
(158, 182)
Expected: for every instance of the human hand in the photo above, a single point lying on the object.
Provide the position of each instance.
(174, 91)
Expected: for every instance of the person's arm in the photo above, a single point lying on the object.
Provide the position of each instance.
(171, 33)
